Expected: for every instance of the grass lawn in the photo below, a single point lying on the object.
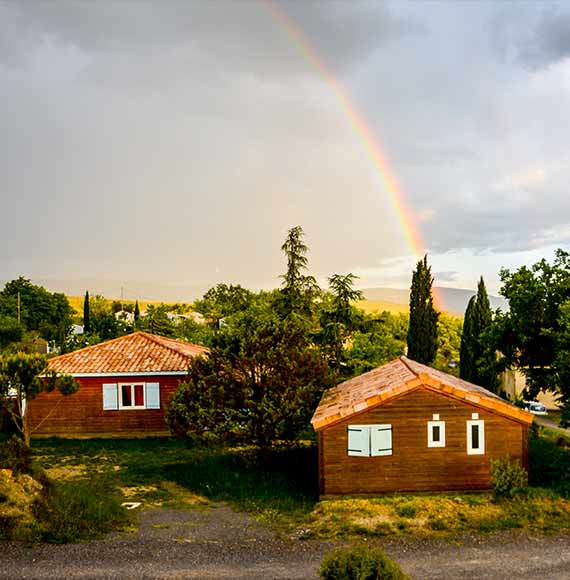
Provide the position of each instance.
(282, 489)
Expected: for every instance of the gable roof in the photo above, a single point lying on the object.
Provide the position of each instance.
(396, 378)
(139, 352)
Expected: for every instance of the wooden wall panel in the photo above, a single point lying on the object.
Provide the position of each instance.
(82, 413)
(414, 466)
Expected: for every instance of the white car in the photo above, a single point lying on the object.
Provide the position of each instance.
(535, 407)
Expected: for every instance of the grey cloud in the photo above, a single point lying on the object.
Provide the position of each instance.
(446, 276)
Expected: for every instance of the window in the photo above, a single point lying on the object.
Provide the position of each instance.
(436, 432)
(124, 396)
(475, 437)
(131, 396)
(369, 440)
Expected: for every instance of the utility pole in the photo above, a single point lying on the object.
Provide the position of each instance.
(122, 307)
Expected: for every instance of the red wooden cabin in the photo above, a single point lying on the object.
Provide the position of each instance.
(407, 427)
(126, 384)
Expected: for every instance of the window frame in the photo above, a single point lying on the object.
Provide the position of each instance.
(480, 450)
(133, 407)
(430, 426)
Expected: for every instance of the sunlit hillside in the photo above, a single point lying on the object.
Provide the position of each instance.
(77, 303)
(380, 305)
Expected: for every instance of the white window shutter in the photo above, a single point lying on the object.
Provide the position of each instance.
(380, 440)
(110, 397)
(152, 395)
(359, 440)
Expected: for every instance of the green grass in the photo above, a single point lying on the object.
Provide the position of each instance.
(281, 488)
(165, 473)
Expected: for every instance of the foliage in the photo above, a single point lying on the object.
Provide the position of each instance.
(22, 378)
(422, 332)
(260, 383)
(534, 335)
(507, 477)
(49, 313)
(137, 312)
(195, 332)
(478, 359)
(449, 340)
(360, 563)
(223, 300)
(79, 510)
(339, 319)
(11, 331)
(156, 320)
(549, 463)
(371, 349)
(103, 325)
(298, 289)
(16, 456)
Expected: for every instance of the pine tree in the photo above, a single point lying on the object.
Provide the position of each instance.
(477, 357)
(422, 331)
(86, 317)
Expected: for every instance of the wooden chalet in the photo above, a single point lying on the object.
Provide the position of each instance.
(126, 384)
(405, 427)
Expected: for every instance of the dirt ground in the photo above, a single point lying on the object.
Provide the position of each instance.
(217, 543)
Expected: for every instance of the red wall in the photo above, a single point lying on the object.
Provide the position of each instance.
(82, 413)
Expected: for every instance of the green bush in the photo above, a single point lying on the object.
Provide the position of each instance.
(78, 510)
(549, 465)
(16, 455)
(360, 563)
(507, 476)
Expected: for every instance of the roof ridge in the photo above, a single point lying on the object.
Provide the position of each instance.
(405, 360)
(156, 338)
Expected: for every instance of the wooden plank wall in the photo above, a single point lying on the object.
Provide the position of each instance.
(82, 413)
(414, 466)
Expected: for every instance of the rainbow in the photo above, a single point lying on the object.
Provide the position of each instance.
(370, 143)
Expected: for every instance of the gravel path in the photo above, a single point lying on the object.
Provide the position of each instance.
(219, 544)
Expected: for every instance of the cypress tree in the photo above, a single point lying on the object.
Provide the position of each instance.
(422, 331)
(137, 312)
(86, 317)
(468, 339)
(477, 356)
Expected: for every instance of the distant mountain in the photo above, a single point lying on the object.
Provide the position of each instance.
(454, 299)
(132, 289)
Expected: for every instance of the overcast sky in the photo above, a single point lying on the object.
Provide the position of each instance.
(179, 141)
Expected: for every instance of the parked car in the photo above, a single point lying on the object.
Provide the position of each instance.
(535, 407)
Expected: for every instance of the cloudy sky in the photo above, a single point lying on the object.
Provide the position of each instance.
(178, 141)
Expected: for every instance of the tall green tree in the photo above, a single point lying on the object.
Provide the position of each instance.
(137, 312)
(223, 300)
(478, 361)
(22, 378)
(86, 324)
(422, 332)
(259, 384)
(532, 335)
(298, 289)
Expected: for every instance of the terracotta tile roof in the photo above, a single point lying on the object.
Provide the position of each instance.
(398, 377)
(139, 352)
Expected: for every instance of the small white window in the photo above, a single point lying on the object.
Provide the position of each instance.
(369, 440)
(132, 396)
(436, 433)
(475, 437)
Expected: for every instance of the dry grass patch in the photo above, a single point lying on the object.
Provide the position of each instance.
(427, 515)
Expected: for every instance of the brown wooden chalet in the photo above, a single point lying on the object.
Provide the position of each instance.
(407, 427)
(126, 384)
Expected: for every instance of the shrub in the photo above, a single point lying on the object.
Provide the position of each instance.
(360, 563)
(16, 455)
(78, 510)
(507, 476)
(549, 466)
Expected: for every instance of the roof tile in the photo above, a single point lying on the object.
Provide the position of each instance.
(139, 352)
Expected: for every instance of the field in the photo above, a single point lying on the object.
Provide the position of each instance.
(76, 303)
(370, 306)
